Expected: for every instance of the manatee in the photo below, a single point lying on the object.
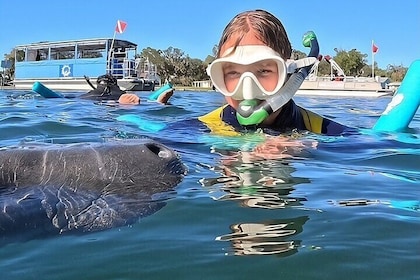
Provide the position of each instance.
(84, 187)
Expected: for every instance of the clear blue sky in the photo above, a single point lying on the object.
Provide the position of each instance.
(195, 26)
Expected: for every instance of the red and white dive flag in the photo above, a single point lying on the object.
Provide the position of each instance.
(121, 25)
(374, 48)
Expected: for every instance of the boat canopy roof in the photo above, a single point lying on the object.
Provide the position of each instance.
(91, 43)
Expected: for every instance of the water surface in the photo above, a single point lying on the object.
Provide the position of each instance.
(323, 208)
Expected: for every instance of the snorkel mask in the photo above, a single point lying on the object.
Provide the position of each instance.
(257, 57)
(251, 110)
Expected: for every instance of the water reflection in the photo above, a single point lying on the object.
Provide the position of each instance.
(410, 205)
(259, 181)
(254, 181)
(265, 238)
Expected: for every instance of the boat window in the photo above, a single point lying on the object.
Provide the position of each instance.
(66, 52)
(37, 54)
(20, 55)
(91, 50)
(89, 54)
(33, 54)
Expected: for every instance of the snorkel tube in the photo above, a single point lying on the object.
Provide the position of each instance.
(251, 113)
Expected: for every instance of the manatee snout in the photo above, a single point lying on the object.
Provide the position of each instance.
(163, 153)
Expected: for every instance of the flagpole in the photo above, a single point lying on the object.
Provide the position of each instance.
(110, 50)
(373, 62)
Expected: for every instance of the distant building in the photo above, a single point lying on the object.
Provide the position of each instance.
(202, 84)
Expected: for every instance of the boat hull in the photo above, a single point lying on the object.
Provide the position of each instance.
(344, 93)
(137, 84)
(350, 88)
(342, 85)
(80, 84)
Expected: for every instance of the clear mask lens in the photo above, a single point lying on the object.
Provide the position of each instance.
(249, 87)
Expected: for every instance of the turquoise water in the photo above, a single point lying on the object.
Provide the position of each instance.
(323, 208)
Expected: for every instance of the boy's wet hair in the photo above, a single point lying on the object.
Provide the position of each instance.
(267, 27)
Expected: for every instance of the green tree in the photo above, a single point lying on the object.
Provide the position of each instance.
(196, 71)
(209, 59)
(175, 63)
(214, 50)
(296, 54)
(156, 58)
(324, 68)
(11, 57)
(352, 62)
(396, 73)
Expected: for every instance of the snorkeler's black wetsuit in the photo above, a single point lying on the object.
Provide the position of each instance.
(290, 117)
(107, 89)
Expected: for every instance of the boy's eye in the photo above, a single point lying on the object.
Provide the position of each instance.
(232, 73)
(264, 71)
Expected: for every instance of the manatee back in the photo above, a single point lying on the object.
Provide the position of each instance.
(48, 189)
(96, 165)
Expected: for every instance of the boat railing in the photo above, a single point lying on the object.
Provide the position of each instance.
(349, 79)
(345, 83)
(123, 68)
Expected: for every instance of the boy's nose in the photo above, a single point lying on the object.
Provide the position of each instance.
(249, 89)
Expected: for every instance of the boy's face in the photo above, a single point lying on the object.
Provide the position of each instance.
(265, 71)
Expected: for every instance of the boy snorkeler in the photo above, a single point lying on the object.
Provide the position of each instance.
(253, 63)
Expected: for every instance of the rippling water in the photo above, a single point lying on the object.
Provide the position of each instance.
(313, 207)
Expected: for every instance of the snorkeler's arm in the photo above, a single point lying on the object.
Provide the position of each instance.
(163, 94)
(129, 99)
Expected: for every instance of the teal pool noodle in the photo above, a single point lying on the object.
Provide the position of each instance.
(403, 106)
(412, 205)
(143, 124)
(44, 91)
(165, 88)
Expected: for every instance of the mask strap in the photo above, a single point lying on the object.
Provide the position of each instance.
(292, 65)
